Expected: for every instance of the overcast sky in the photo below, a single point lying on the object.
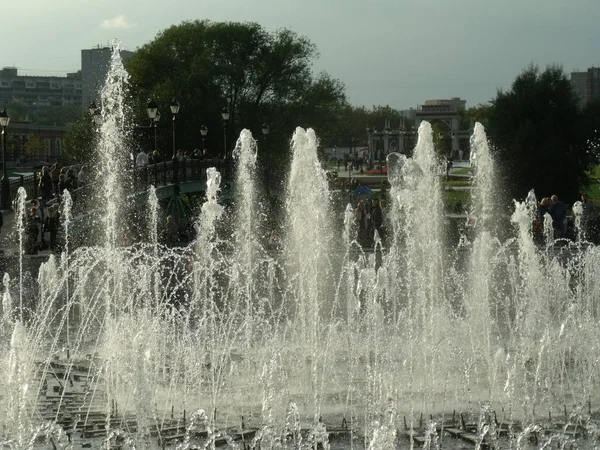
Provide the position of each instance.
(396, 52)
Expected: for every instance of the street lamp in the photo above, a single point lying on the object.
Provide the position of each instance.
(154, 116)
(203, 132)
(155, 121)
(225, 116)
(4, 121)
(174, 110)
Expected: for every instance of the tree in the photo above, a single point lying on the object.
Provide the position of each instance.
(34, 149)
(79, 142)
(591, 123)
(474, 114)
(537, 136)
(259, 76)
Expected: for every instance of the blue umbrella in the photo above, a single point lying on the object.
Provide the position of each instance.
(362, 190)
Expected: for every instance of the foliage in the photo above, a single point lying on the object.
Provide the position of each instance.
(35, 146)
(591, 124)
(537, 135)
(43, 115)
(79, 142)
(352, 121)
(260, 76)
(479, 113)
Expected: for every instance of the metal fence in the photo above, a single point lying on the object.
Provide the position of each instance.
(161, 174)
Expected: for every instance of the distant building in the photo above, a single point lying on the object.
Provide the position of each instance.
(448, 113)
(39, 91)
(95, 63)
(23, 136)
(586, 85)
(409, 113)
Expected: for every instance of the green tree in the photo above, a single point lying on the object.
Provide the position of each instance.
(259, 76)
(537, 135)
(34, 148)
(479, 113)
(79, 142)
(591, 124)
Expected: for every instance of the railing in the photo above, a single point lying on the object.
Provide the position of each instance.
(161, 174)
(175, 172)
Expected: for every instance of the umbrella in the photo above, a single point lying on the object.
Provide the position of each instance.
(362, 190)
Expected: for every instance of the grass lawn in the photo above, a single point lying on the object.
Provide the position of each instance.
(461, 171)
(452, 198)
(456, 182)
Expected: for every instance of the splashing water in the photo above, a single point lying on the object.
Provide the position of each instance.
(297, 341)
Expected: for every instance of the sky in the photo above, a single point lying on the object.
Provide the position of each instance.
(386, 52)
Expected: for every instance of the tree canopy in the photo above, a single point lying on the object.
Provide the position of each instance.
(260, 76)
(538, 136)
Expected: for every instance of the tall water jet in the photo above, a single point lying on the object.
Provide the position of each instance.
(111, 146)
(247, 228)
(309, 236)
(21, 214)
(417, 261)
(416, 212)
(309, 245)
(482, 296)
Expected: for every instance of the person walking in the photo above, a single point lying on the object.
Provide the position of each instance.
(46, 184)
(558, 212)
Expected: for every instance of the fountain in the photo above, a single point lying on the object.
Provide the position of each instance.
(232, 341)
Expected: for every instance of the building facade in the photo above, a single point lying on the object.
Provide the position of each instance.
(28, 143)
(586, 85)
(95, 63)
(39, 91)
(448, 113)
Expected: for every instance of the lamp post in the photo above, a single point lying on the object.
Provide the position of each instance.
(174, 110)
(225, 116)
(156, 120)
(203, 132)
(4, 121)
(154, 116)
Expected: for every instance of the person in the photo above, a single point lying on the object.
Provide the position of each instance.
(588, 215)
(154, 157)
(377, 217)
(448, 167)
(82, 177)
(46, 184)
(171, 231)
(54, 174)
(53, 224)
(558, 212)
(62, 184)
(141, 160)
(72, 177)
(32, 227)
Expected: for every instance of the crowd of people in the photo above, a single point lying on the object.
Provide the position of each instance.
(563, 227)
(43, 215)
(144, 159)
(370, 215)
